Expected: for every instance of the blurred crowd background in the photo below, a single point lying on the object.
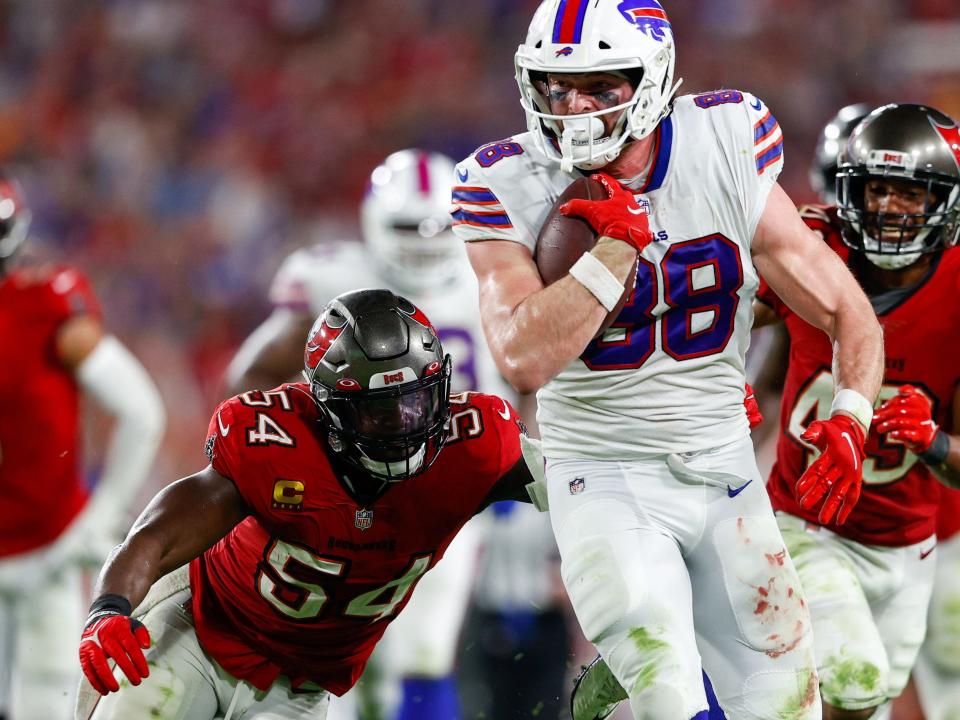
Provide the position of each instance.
(177, 150)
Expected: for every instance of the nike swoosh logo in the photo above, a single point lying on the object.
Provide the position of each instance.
(731, 492)
(756, 104)
(462, 175)
(223, 430)
(853, 450)
(638, 211)
(923, 554)
(505, 413)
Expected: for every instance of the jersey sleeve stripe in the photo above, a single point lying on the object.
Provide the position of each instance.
(769, 156)
(474, 196)
(764, 128)
(481, 219)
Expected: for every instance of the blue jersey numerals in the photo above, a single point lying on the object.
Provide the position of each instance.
(700, 281)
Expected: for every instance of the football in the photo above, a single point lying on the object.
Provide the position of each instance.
(562, 240)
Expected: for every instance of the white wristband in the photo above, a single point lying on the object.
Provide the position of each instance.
(597, 278)
(850, 401)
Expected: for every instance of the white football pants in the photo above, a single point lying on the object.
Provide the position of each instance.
(677, 558)
(41, 617)
(869, 610)
(938, 668)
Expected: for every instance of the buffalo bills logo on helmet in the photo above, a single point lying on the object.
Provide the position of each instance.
(951, 136)
(565, 52)
(649, 17)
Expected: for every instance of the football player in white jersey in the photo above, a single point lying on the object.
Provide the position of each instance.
(670, 551)
(409, 248)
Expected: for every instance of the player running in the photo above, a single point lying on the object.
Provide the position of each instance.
(323, 505)
(670, 551)
(868, 580)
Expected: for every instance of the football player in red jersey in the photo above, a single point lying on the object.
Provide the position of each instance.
(868, 572)
(323, 504)
(54, 349)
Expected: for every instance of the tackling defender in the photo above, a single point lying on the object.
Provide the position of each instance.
(670, 551)
(322, 506)
(408, 247)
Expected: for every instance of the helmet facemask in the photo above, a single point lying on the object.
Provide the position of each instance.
(897, 240)
(392, 433)
(377, 370)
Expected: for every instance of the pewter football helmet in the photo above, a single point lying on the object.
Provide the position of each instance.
(913, 143)
(833, 138)
(376, 368)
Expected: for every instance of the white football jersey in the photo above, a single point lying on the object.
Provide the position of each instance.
(668, 376)
(310, 277)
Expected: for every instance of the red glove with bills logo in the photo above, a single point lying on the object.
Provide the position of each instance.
(908, 418)
(111, 634)
(838, 472)
(618, 217)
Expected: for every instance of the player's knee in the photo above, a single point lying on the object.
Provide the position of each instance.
(852, 684)
(598, 593)
(790, 694)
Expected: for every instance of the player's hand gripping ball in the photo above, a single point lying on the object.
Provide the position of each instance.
(567, 234)
(837, 474)
(617, 216)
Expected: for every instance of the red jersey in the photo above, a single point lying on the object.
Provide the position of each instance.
(41, 488)
(900, 497)
(307, 584)
(948, 519)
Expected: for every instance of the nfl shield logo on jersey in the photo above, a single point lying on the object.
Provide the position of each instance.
(364, 518)
(576, 486)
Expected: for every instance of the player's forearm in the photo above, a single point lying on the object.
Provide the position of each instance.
(548, 329)
(133, 567)
(857, 350)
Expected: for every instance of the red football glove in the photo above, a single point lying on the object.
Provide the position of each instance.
(838, 472)
(908, 418)
(111, 634)
(617, 217)
(750, 404)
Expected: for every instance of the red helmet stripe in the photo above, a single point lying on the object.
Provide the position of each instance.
(950, 135)
(423, 173)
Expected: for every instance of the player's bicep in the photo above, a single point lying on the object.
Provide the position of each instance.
(189, 516)
(802, 270)
(272, 354)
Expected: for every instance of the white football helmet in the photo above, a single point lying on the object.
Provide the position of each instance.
(405, 218)
(14, 216)
(633, 37)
